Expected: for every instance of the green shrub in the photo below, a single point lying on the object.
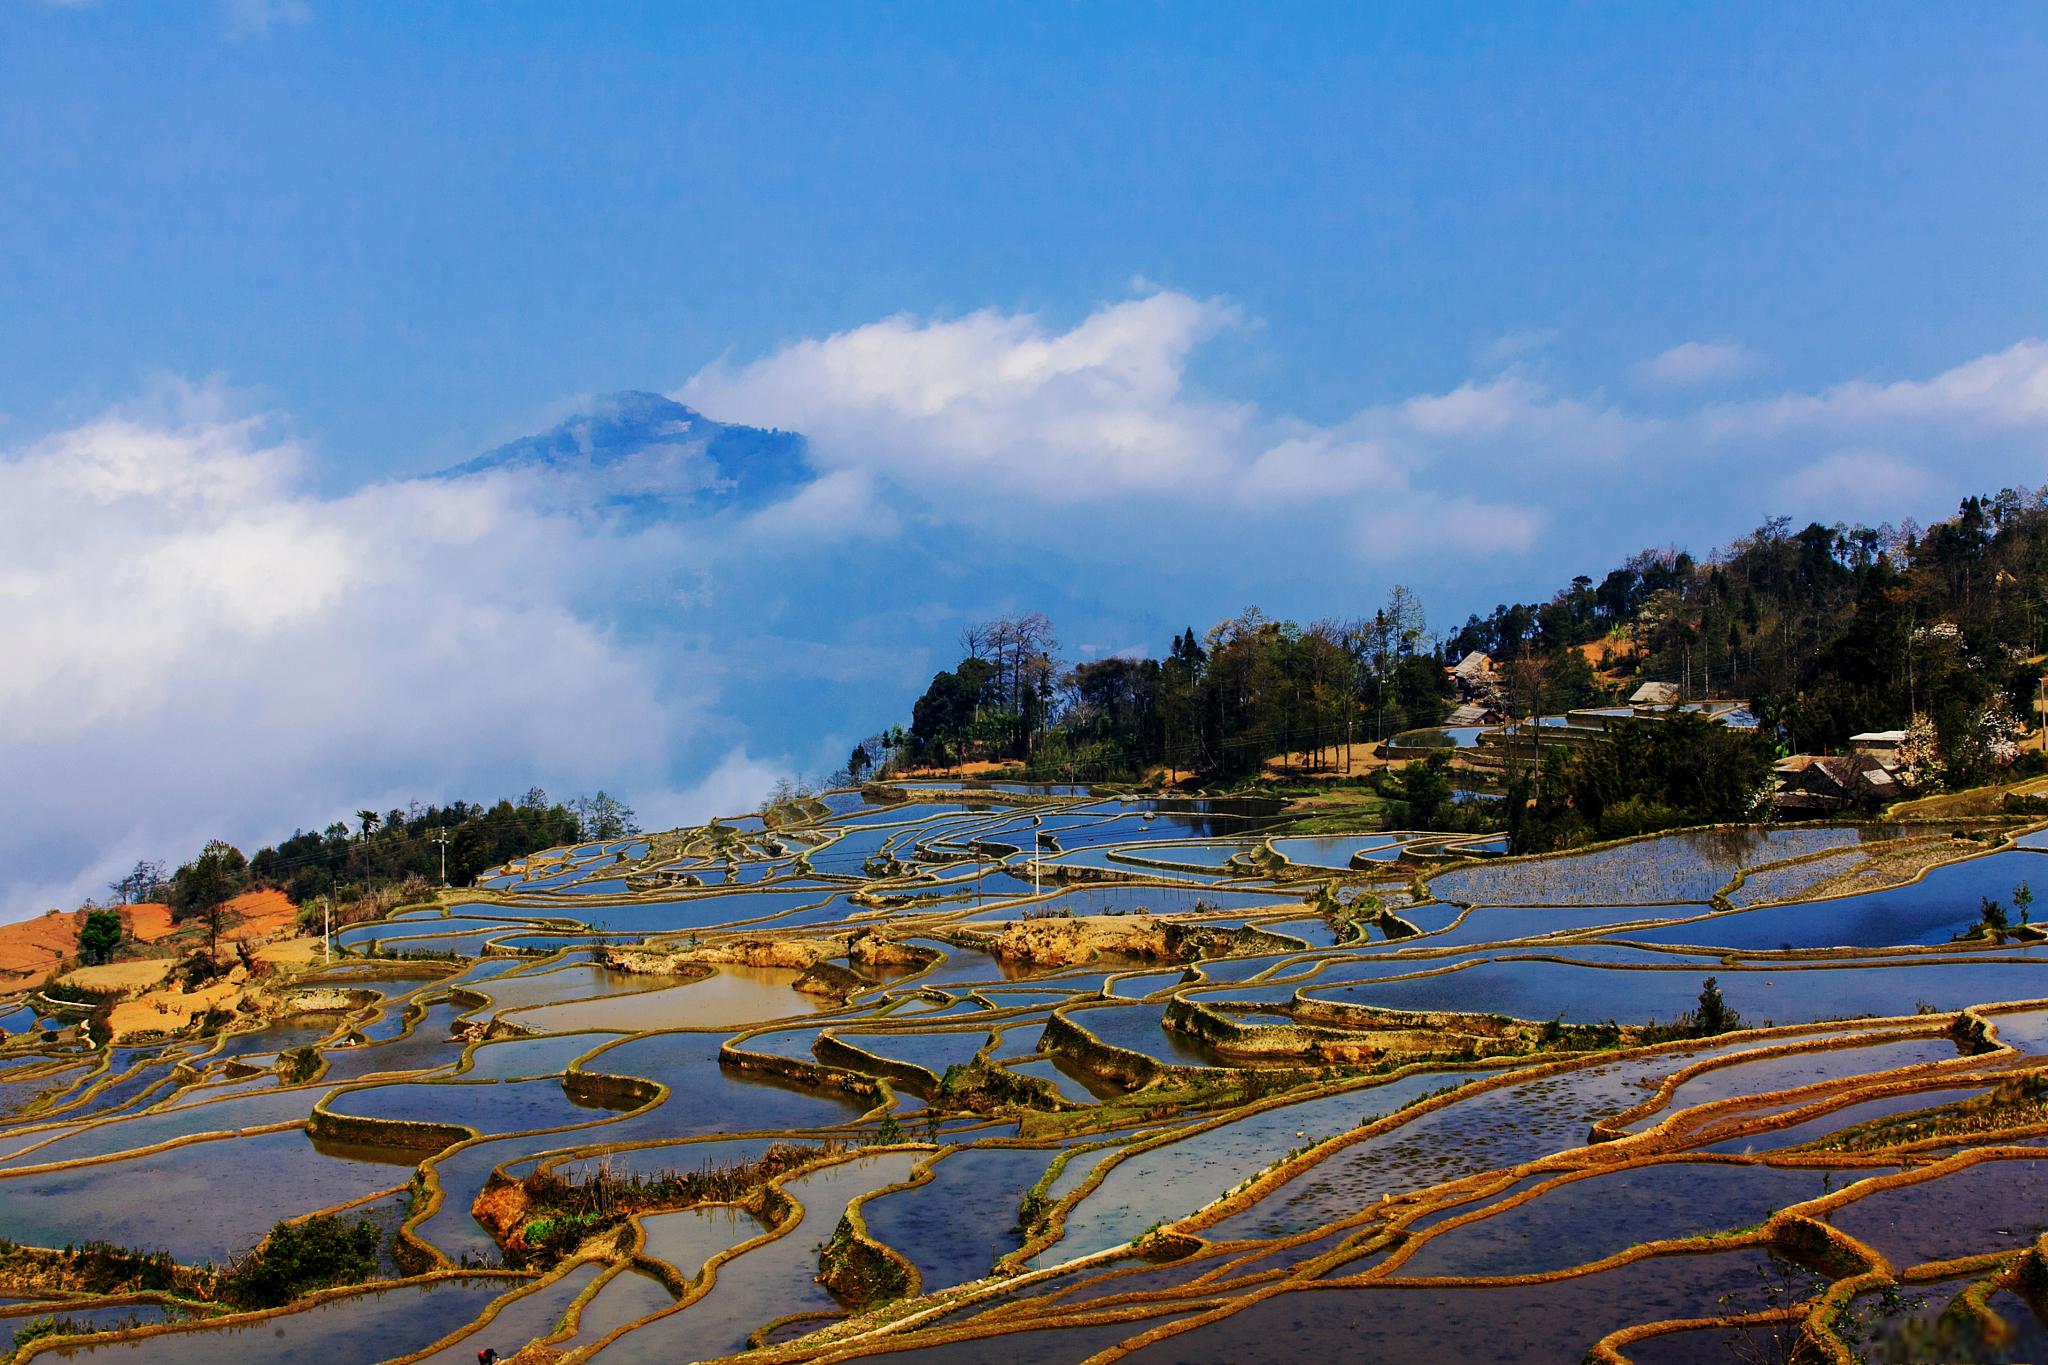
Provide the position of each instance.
(1991, 918)
(42, 1327)
(104, 1268)
(297, 1258)
(560, 1232)
(72, 994)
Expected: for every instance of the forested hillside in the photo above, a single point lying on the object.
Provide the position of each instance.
(1825, 630)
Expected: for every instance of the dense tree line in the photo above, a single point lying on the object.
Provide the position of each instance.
(1223, 702)
(379, 850)
(403, 844)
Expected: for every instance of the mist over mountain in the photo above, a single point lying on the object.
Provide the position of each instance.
(642, 448)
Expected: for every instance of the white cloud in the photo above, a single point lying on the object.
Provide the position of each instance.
(840, 506)
(1697, 364)
(1317, 463)
(199, 646)
(736, 784)
(989, 416)
(1092, 443)
(1514, 417)
(2003, 391)
(996, 399)
(1867, 484)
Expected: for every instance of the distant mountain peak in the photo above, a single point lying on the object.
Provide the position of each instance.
(639, 447)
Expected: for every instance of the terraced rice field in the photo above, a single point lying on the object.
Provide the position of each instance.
(811, 1092)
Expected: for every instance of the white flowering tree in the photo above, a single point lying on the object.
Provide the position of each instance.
(1919, 753)
(1987, 743)
(1994, 741)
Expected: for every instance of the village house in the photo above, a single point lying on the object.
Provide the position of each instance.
(1474, 676)
(1883, 743)
(1474, 713)
(1811, 783)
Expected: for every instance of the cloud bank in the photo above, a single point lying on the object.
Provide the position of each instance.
(982, 413)
(201, 645)
(1044, 435)
(204, 645)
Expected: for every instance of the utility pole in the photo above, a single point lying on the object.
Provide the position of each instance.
(327, 928)
(441, 838)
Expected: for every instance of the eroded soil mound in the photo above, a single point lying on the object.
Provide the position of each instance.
(1059, 942)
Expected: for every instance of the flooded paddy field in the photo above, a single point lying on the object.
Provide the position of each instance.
(953, 1073)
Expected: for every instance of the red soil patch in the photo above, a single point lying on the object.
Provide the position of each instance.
(1337, 761)
(1610, 657)
(980, 767)
(30, 948)
(253, 914)
(148, 921)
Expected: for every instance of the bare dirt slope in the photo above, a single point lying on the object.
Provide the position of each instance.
(32, 948)
(148, 921)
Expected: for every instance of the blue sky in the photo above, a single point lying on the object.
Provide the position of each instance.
(1137, 312)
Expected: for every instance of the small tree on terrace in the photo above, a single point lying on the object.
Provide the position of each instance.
(208, 882)
(1991, 920)
(99, 936)
(1713, 1015)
